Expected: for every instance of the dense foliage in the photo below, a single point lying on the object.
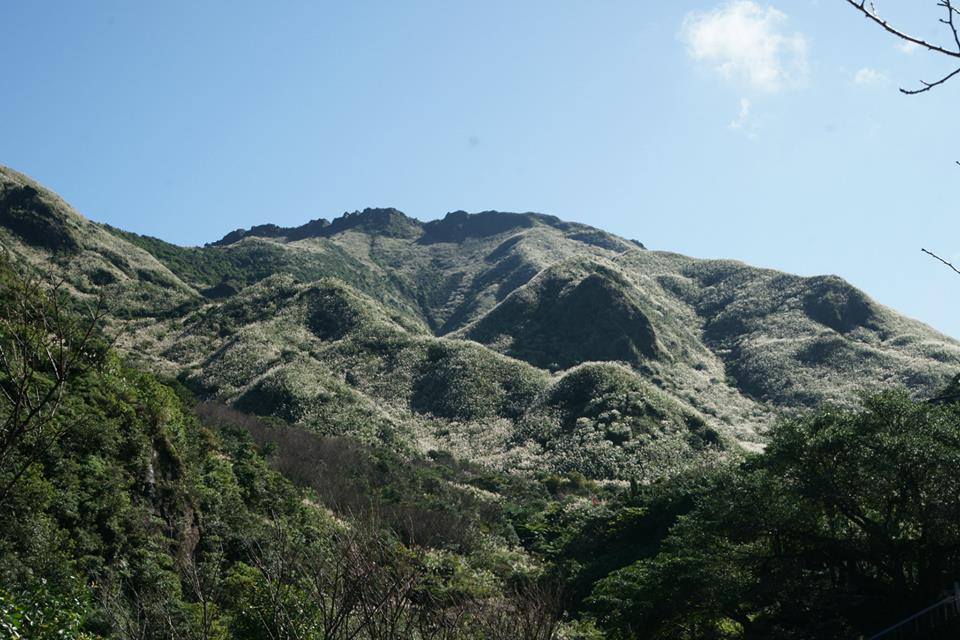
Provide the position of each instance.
(847, 523)
(146, 518)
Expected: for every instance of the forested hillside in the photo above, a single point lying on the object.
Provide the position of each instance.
(485, 426)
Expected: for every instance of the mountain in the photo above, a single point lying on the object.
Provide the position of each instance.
(516, 340)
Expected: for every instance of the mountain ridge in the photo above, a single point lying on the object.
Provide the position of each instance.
(454, 226)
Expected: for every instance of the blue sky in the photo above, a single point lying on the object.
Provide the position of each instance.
(766, 132)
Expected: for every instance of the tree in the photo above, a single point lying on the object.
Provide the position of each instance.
(950, 51)
(847, 523)
(532, 611)
(43, 345)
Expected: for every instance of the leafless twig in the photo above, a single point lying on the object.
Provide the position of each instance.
(869, 11)
(930, 253)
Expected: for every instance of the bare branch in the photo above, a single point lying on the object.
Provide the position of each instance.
(947, 4)
(929, 85)
(873, 17)
(930, 253)
(871, 14)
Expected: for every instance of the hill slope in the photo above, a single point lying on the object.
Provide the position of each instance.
(513, 339)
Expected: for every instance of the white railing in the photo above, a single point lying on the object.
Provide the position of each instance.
(927, 619)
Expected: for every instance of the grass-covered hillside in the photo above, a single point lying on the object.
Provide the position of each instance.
(495, 426)
(39, 230)
(466, 334)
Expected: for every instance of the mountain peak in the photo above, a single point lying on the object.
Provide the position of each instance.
(308, 230)
(381, 221)
(457, 226)
(388, 222)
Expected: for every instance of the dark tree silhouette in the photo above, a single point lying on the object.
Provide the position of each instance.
(950, 50)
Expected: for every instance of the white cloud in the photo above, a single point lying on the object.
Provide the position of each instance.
(744, 122)
(908, 47)
(746, 43)
(742, 117)
(868, 76)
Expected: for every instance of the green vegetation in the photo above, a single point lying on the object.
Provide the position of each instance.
(278, 349)
(569, 315)
(467, 382)
(613, 425)
(145, 518)
(28, 214)
(845, 525)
